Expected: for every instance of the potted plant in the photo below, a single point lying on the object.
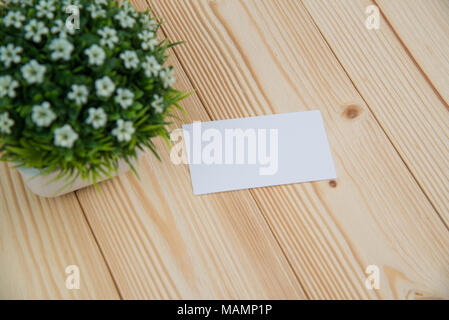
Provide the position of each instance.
(83, 88)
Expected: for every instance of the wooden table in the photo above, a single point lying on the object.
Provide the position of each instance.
(384, 98)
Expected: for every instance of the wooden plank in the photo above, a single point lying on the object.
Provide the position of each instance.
(405, 104)
(163, 242)
(423, 27)
(39, 238)
(260, 57)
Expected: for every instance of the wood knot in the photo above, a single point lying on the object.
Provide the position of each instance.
(352, 111)
(333, 183)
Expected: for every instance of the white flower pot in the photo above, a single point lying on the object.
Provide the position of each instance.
(47, 186)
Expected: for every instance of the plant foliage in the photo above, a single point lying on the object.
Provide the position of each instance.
(78, 100)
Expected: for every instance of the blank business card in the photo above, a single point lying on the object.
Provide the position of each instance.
(257, 152)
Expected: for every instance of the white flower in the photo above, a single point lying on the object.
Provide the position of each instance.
(158, 103)
(6, 123)
(42, 115)
(124, 19)
(124, 130)
(10, 54)
(148, 40)
(130, 59)
(145, 35)
(148, 22)
(35, 30)
(129, 9)
(14, 18)
(33, 72)
(25, 3)
(108, 37)
(65, 136)
(46, 8)
(66, 3)
(101, 2)
(61, 29)
(96, 11)
(167, 77)
(149, 44)
(79, 94)
(151, 66)
(62, 49)
(124, 98)
(97, 117)
(8, 86)
(105, 87)
(96, 55)
(58, 27)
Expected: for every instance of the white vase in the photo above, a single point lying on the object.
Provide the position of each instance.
(47, 186)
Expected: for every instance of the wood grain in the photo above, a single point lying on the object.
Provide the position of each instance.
(260, 57)
(405, 104)
(163, 242)
(423, 27)
(39, 238)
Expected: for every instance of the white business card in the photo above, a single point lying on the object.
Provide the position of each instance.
(256, 152)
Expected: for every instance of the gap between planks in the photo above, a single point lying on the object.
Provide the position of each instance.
(411, 56)
(98, 243)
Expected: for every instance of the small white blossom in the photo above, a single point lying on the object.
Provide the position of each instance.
(8, 86)
(61, 29)
(105, 87)
(148, 22)
(124, 19)
(124, 130)
(129, 9)
(151, 66)
(145, 35)
(148, 40)
(96, 11)
(61, 49)
(33, 72)
(124, 98)
(108, 37)
(35, 30)
(10, 54)
(167, 77)
(46, 8)
(101, 2)
(158, 103)
(130, 59)
(25, 3)
(79, 94)
(96, 55)
(66, 3)
(58, 27)
(42, 115)
(65, 136)
(149, 44)
(6, 123)
(97, 117)
(14, 18)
